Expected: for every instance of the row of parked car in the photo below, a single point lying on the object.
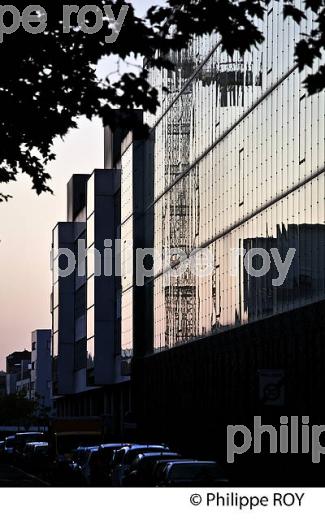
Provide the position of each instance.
(141, 465)
(115, 464)
(26, 449)
(14, 445)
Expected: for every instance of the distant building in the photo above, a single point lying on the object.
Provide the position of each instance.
(18, 373)
(41, 367)
(14, 360)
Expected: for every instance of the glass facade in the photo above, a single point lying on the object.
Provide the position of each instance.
(55, 291)
(91, 265)
(238, 167)
(127, 245)
(80, 308)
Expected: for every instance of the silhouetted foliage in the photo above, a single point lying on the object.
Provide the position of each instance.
(49, 80)
(15, 409)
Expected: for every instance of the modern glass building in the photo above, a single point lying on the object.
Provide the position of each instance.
(228, 194)
(239, 165)
(239, 187)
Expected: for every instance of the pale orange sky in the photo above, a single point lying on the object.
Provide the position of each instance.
(26, 222)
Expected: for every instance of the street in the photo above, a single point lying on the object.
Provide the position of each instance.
(11, 476)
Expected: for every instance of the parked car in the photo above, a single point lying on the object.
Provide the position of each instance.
(191, 473)
(22, 438)
(35, 456)
(159, 468)
(66, 468)
(124, 458)
(141, 471)
(83, 462)
(101, 463)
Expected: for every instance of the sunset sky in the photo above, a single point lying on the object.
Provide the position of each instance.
(26, 222)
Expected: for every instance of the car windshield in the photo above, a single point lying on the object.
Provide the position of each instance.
(22, 440)
(41, 450)
(132, 454)
(194, 472)
(29, 437)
